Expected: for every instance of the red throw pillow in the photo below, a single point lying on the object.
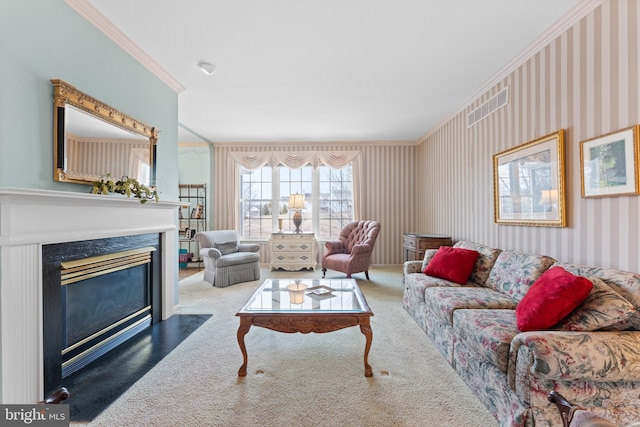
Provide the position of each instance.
(453, 264)
(551, 298)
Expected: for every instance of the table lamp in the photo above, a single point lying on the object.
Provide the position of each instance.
(548, 198)
(296, 292)
(296, 201)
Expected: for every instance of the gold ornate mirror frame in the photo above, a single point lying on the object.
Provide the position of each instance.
(67, 95)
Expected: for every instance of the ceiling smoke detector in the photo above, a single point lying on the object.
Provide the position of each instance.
(207, 68)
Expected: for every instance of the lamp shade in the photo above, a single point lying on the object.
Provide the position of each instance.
(296, 201)
(548, 197)
(296, 292)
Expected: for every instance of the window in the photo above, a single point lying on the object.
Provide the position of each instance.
(335, 200)
(256, 201)
(264, 195)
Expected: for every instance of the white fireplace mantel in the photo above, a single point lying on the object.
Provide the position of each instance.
(30, 218)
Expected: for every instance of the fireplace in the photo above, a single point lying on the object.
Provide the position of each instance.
(34, 221)
(97, 294)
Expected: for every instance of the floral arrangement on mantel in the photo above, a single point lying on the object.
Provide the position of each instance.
(127, 186)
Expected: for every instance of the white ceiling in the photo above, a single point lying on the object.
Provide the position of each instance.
(328, 70)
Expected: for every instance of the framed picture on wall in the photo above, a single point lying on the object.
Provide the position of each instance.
(609, 164)
(529, 183)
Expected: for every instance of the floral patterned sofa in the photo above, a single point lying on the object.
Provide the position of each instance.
(592, 356)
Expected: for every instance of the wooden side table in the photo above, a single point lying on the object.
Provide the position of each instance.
(293, 251)
(415, 244)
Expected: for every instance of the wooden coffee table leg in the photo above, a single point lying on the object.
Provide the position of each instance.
(243, 329)
(366, 330)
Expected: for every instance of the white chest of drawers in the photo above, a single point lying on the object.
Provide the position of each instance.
(293, 251)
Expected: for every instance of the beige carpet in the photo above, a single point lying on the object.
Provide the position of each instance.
(297, 379)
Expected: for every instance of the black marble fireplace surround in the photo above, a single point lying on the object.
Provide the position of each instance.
(75, 316)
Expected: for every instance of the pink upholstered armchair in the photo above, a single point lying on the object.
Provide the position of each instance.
(352, 252)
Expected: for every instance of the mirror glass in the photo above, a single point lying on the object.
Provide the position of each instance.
(92, 140)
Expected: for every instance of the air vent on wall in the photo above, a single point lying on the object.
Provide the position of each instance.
(498, 100)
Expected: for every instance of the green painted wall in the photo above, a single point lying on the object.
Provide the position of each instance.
(42, 40)
(46, 39)
(194, 164)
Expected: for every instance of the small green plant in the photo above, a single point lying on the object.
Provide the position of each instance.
(127, 186)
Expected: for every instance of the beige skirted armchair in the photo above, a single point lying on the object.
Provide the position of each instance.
(352, 252)
(226, 260)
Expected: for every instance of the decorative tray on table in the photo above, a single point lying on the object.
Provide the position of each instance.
(320, 292)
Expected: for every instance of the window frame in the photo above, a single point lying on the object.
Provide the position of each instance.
(314, 203)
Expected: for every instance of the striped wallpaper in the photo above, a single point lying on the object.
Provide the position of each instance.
(585, 81)
(390, 183)
(99, 157)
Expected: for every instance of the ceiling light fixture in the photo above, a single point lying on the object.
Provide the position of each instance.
(207, 68)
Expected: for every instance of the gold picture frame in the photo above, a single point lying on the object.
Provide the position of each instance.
(609, 164)
(529, 183)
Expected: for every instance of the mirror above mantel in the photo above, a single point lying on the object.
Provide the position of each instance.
(93, 139)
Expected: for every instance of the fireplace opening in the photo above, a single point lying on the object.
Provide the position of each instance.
(97, 295)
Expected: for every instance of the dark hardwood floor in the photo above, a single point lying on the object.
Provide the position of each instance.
(97, 385)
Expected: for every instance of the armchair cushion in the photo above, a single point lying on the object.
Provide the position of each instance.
(227, 247)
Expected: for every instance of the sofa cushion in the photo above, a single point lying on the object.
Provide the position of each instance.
(442, 303)
(487, 332)
(454, 264)
(514, 272)
(623, 282)
(603, 308)
(428, 256)
(486, 258)
(416, 283)
(553, 296)
(626, 284)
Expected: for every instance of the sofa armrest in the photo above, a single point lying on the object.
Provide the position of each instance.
(210, 252)
(248, 247)
(418, 266)
(411, 267)
(601, 356)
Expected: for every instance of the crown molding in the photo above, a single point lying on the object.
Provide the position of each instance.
(298, 144)
(578, 12)
(193, 148)
(98, 20)
(193, 144)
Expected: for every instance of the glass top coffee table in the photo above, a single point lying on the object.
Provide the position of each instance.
(306, 305)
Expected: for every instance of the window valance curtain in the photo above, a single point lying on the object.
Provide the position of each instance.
(294, 160)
